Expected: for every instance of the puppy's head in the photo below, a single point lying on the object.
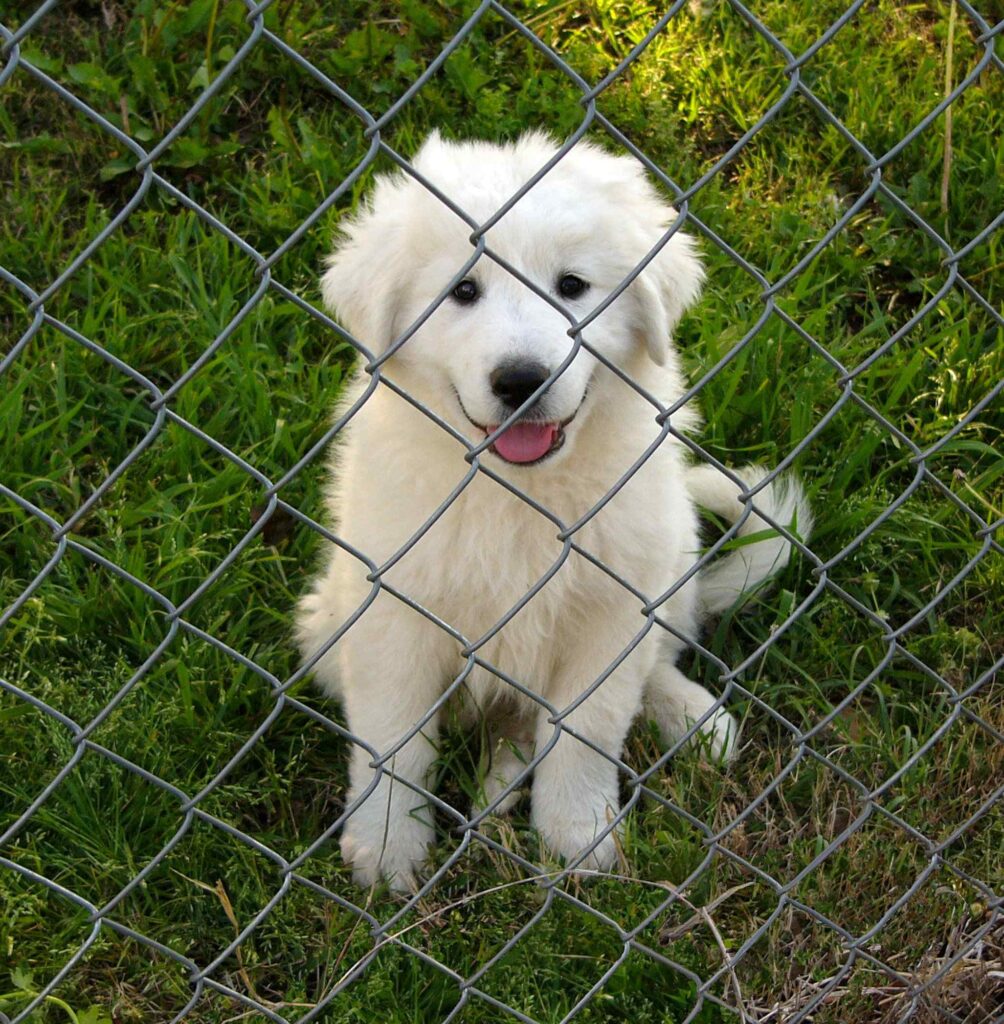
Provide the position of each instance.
(499, 344)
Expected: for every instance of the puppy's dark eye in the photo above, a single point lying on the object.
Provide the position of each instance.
(571, 286)
(466, 292)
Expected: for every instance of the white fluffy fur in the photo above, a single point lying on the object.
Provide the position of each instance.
(595, 215)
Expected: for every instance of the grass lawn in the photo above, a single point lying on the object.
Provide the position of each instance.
(906, 750)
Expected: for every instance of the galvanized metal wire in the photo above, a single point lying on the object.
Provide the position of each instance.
(207, 978)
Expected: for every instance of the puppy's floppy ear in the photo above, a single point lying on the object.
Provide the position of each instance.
(362, 282)
(368, 272)
(671, 283)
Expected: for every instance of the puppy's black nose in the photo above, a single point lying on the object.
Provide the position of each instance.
(514, 383)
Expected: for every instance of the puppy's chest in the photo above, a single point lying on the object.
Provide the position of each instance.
(494, 569)
(482, 559)
(505, 582)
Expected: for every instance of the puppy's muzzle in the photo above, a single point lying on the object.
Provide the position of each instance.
(531, 439)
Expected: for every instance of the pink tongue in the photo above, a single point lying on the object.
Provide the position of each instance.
(525, 442)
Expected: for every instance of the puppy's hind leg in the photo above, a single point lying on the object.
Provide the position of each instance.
(510, 750)
(676, 704)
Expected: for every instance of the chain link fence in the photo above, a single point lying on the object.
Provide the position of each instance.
(913, 989)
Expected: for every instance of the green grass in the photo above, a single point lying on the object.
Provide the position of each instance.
(261, 156)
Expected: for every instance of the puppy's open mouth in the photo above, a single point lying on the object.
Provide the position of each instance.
(527, 441)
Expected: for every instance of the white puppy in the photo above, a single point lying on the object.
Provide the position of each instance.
(493, 348)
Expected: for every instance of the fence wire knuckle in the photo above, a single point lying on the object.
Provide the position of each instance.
(724, 844)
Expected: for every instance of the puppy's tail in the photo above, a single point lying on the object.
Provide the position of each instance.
(747, 565)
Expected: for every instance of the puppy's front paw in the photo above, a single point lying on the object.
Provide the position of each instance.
(394, 851)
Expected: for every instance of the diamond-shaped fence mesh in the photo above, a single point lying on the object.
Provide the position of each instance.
(750, 914)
